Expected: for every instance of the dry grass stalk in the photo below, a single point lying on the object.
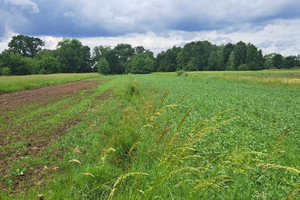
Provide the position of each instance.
(74, 160)
(112, 192)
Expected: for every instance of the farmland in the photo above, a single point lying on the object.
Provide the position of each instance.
(18, 83)
(209, 135)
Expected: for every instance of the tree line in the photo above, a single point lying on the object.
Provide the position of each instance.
(25, 55)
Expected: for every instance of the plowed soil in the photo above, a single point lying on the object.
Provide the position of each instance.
(35, 143)
(11, 100)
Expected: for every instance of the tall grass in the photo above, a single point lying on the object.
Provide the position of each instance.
(17, 83)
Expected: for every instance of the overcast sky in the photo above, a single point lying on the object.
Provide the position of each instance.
(272, 25)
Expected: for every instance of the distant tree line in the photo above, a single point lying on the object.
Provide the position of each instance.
(26, 55)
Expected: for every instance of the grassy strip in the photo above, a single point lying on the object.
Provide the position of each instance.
(18, 83)
(283, 78)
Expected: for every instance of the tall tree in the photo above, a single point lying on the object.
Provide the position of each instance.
(231, 62)
(261, 60)
(195, 54)
(123, 52)
(103, 66)
(213, 61)
(73, 56)
(268, 61)
(17, 64)
(277, 61)
(25, 46)
(110, 56)
(225, 53)
(240, 54)
(139, 50)
(252, 59)
(141, 64)
(169, 61)
(290, 62)
(48, 63)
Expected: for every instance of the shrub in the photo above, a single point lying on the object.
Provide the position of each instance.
(180, 72)
(5, 71)
(133, 87)
(243, 67)
(103, 66)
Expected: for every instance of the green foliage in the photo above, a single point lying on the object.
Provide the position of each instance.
(133, 87)
(252, 59)
(141, 64)
(277, 61)
(225, 53)
(213, 62)
(73, 56)
(180, 72)
(191, 66)
(196, 55)
(48, 63)
(290, 62)
(167, 61)
(5, 71)
(103, 66)
(25, 46)
(240, 54)
(243, 67)
(18, 65)
(231, 62)
(123, 53)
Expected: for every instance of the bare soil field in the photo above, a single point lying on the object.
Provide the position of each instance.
(11, 100)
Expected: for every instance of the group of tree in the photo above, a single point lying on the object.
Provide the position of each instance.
(205, 56)
(26, 55)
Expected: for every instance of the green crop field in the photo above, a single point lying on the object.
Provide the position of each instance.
(204, 135)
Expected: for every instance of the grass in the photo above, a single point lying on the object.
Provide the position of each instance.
(18, 83)
(284, 78)
(161, 136)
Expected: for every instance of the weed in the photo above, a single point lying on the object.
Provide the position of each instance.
(180, 72)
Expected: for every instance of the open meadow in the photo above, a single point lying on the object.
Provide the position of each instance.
(201, 135)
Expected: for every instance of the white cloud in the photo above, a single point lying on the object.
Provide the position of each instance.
(25, 4)
(282, 36)
(272, 25)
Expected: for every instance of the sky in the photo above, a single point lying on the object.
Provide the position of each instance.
(272, 25)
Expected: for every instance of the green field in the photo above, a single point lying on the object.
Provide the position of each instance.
(285, 78)
(18, 83)
(207, 135)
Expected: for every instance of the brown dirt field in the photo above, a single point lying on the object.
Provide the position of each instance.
(11, 100)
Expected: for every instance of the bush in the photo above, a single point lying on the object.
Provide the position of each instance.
(103, 66)
(5, 71)
(180, 72)
(243, 67)
(133, 87)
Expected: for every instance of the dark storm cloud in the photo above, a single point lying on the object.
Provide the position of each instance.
(118, 17)
(157, 24)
